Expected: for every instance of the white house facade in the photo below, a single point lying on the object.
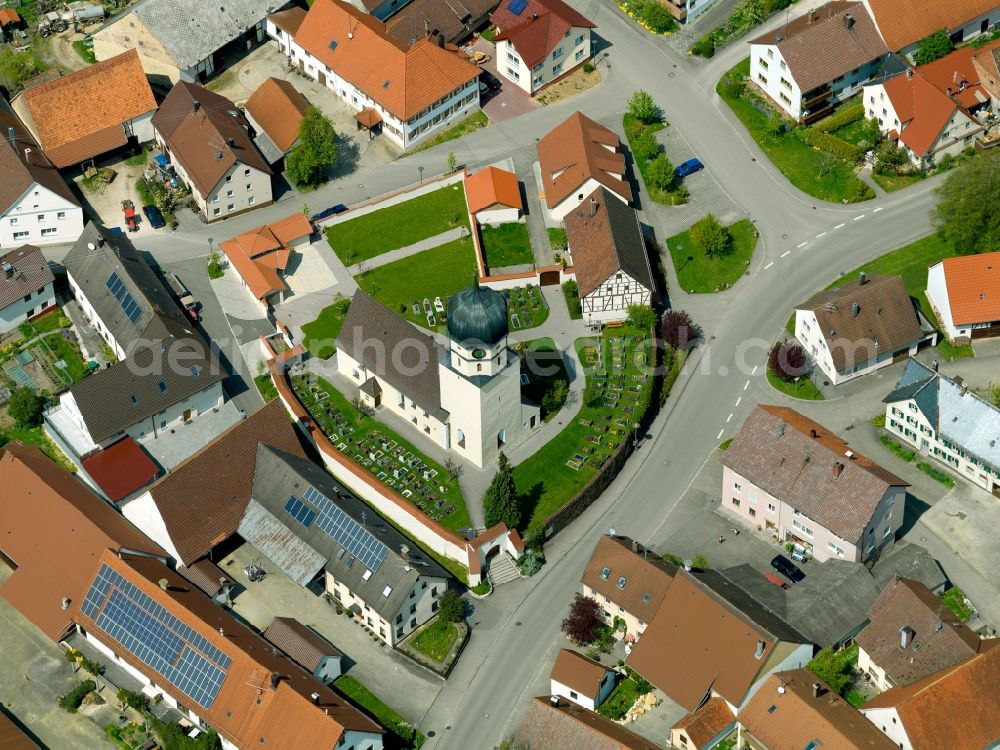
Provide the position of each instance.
(611, 300)
(32, 304)
(26, 286)
(243, 188)
(570, 53)
(967, 307)
(40, 217)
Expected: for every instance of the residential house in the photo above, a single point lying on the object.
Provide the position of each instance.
(199, 505)
(911, 635)
(933, 110)
(283, 26)
(553, 722)
(313, 529)
(942, 419)
(796, 709)
(260, 257)
(26, 289)
(36, 204)
(206, 140)
(185, 40)
(704, 727)
(306, 647)
(275, 111)
(958, 707)
(628, 581)
(493, 196)
(965, 294)
(986, 61)
(581, 680)
(90, 112)
(10, 22)
(609, 258)
(167, 374)
(540, 41)
(409, 90)
(809, 65)
(861, 326)
(577, 157)
(700, 646)
(438, 19)
(904, 23)
(788, 474)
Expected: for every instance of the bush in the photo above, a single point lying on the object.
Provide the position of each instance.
(890, 159)
(451, 606)
(660, 173)
(641, 317)
(25, 407)
(656, 17)
(704, 47)
(644, 146)
(701, 562)
(933, 47)
(72, 700)
(572, 294)
(138, 701)
(673, 559)
(841, 118)
(172, 737)
(832, 145)
(214, 266)
(642, 107)
(787, 360)
(584, 621)
(834, 668)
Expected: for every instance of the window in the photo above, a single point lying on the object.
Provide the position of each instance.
(27, 297)
(579, 55)
(763, 63)
(41, 217)
(737, 486)
(246, 172)
(230, 207)
(537, 80)
(621, 582)
(557, 69)
(573, 694)
(753, 513)
(513, 74)
(61, 215)
(215, 199)
(229, 178)
(13, 221)
(802, 527)
(250, 201)
(413, 609)
(770, 53)
(770, 507)
(785, 99)
(249, 187)
(786, 84)
(48, 231)
(605, 573)
(215, 211)
(835, 549)
(21, 235)
(557, 53)
(578, 40)
(761, 78)
(229, 193)
(736, 502)
(512, 58)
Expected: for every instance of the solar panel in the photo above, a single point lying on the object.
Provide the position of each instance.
(346, 531)
(155, 637)
(300, 511)
(517, 6)
(119, 291)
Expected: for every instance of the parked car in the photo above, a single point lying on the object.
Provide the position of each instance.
(327, 213)
(183, 297)
(787, 568)
(154, 217)
(483, 88)
(689, 167)
(490, 80)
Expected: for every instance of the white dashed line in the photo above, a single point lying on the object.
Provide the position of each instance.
(785, 253)
(858, 218)
(738, 400)
(769, 265)
(728, 418)
(746, 385)
(842, 224)
(753, 371)
(719, 435)
(801, 244)
(821, 234)
(876, 210)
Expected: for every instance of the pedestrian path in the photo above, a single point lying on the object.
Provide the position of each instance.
(405, 252)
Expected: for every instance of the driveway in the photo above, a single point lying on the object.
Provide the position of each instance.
(307, 272)
(510, 101)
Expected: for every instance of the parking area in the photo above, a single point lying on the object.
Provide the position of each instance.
(509, 101)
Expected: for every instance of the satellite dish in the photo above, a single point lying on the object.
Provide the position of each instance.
(350, 34)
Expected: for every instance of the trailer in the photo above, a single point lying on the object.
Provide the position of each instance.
(183, 297)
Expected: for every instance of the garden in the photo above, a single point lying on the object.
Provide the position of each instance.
(399, 225)
(653, 16)
(506, 245)
(406, 737)
(788, 371)
(641, 123)
(382, 453)
(709, 257)
(746, 14)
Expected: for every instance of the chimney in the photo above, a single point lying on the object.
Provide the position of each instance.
(817, 690)
(905, 636)
(934, 365)
(218, 155)
(8, 269)
(315, 698)
(404, 552)
(848, 21)
(862, 278)
(554, 700)
(813, 434)
(838, 469)
(100, 240)
(27, 154)
(855, 309)
(231, 142)
(635, 546)
(593, 206)
(909, 74)
(687, 565)
(427, 28)
(163, 583)
(65, 603)
(949, 90)
(222, 631)
(965, 389)
(195, 106)
(275, 679)
(760, 650)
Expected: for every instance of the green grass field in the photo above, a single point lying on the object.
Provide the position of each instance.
(804, 388)
(321, 334)
(470, 124)
(704, 274)
(406, 736)
(506, 245)
(633, 128)
(436, 640)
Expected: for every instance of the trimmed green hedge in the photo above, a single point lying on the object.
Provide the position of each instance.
(832, 145)
(840, 118)
(72, 700)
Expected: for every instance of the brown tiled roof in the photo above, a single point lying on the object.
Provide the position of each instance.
(922, 108)
(885, 319)
(707, 722)
(577, 150)
(451, 19)
(973, 283)
(12, 737)
(9, 15)
(278, 108)
(958, 707)
(795, 717)
(206, 575)
(567, 725)
(203, 499)
(775, 450)
(288, 20)
(908, 604)
(539, 28)
(577, 672)
(905, 22)
(404, 79)
(207, 142)
(504, 19)
(825, 44)
(604, 237)
(492, 187)
(55, 528)
(647, 576)
(307, 647)
(20, 169)
(30, 271)
(698, 642)
(80, 115)
(121, 469)
(986, 61)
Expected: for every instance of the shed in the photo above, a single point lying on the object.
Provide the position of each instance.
(306, 647)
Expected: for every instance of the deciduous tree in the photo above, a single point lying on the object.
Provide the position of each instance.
(787, 360)
(642, 107)
(677, 329)
(968, 209)
(308, 162)
(933, 47)
(25, 407)
(583, 621)
(660, 173)
(451, 607)
(709, 236)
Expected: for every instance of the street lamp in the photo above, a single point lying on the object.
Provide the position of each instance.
(209, 245)
(635, 435)
(421, 171)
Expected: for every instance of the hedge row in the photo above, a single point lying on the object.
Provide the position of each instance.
(72, 700)
(833, 145)
(842, 117)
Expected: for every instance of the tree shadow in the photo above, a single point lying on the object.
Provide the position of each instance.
(528, 501)
(348, 156)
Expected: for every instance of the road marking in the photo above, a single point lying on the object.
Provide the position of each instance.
(738, 400)
(769, 265)
(876, 210)
(729, 417)
(841, 224)
(753, 371)
(746, 385)
(801, 244)
(821, 234)
(720, 434)
(785, 253)
(858, 218)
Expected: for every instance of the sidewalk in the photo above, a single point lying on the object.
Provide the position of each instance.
(405, 252)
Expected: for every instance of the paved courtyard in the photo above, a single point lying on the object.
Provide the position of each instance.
(510, 101)
(308, 273)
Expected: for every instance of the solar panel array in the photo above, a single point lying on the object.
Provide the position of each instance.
(154, 636)
(517, 6)
(340, 527)
(124, 297)
(300, 511)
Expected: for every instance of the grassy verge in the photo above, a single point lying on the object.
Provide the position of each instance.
(320, 336)
(557, 239)
(896, 447)
(674, 195)
(936, 474)
(386, 716)
(36, 436)
(470, 124)
(892, 182)
(436, 640)
(805, 388)
(810, 170)
(697, 272)
(265, 386)
(399, 225)
(506, 245)
(572, 294)
(954, 599)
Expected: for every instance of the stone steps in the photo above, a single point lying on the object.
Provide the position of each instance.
(502, 570)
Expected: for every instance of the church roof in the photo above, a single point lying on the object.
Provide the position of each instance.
(477, 314)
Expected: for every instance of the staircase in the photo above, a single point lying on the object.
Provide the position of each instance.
(502, 569)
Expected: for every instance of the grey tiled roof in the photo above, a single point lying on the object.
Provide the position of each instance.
(30, 272)
(908, 560)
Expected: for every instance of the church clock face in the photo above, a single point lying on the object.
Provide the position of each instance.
(478, 353)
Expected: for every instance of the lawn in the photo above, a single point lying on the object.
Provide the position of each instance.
(893, 182)
(557, 239)
(674, 195)
(320, 336)
(954, 599)
(265, 386)
(399, 225)
(69, 352)
(622, 698)
(506, 245)
(85, 49)
(50, 321)
(470, 124)
(804, 388)
(438, 272)
(697, 272)
(436, 640)
(37, 436)
(911, 262)
(571, 292)
(800, 163)
(541, 362)
(386, 716)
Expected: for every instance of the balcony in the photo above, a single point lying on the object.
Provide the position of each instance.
(815, 97)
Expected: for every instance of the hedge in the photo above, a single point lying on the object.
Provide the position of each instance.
(833, 145)
(842, 117)
(72, 700)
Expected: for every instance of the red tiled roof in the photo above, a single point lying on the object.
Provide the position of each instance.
(905, 22)
(538, 29)
(956, 71)
(9, 15)
(986, 61)
(12, 737)
(567, 726)
(492, 187)
(504, 19)
(576, 150)
(288, 20)
(258, 255)
(278, 108)
(121, 469)
(708, 721)
(973, 283)
(578, 673)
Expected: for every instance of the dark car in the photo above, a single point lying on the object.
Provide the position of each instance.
(154, 217)
(787, 568)
(689, 167)
(326, 214)
(490, 80)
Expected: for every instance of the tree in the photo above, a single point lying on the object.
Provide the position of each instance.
(827, 163)
(584, 621)
(308, 162)
(787, 360)
(968, 209)
(214, 266)
(641, 317)
(890, 158)
(554, 396)
(642, 107)
(995, 394)
(17, 67)
(709, 236)
(933, 47)
(660, 173)
(500, 503)
(453, 467)
(451, 607)
(644, 146)
(677, 329)
(833, 667)
(452, 161)
(25, 407)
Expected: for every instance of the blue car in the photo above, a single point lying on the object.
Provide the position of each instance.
(327, 213)
(689, 167)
